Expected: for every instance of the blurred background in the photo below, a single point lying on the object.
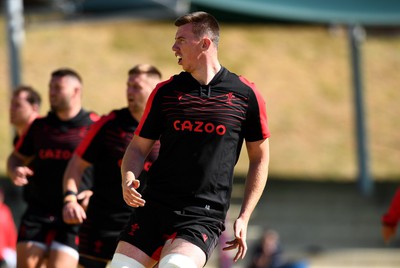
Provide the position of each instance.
(330, 74)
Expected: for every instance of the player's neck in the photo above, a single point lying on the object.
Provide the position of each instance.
(21, 129)
(136, 115)
(68, 114)
(206, 74)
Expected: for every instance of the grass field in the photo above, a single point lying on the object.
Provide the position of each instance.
(303, 72)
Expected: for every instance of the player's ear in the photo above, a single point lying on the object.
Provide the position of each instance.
(206, 42)
(77, 90)
(35, 107)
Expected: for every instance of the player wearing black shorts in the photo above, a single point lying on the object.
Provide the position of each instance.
(201, 117)
(38, 163)
(103, 149)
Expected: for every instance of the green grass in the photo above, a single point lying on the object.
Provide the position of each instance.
(302, 71)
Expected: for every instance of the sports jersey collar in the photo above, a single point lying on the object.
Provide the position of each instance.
(73, 121)
(216, 79)
(218, 76)
(205, 90)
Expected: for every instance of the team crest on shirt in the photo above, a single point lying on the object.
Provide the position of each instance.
(180, 95)
(97, 246)
(230, 97)
(134, 227)
(205, 237)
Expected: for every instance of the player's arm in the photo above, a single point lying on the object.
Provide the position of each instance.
(258, 153)
(132, 165)
(73, 212)
(17, 168)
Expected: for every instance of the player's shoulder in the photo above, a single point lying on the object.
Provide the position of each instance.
(107, 118)
(246, 81)
(40, 121)
(118, 112)
(116, 117)
(166, 84)
(176, 79)
(122, 114)
(93, 116)
(238, 78)
(165, 87)
(83, 118)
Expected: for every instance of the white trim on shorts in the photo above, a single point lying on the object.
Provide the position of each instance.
(40, 245)
(64, 248)
(54, 246)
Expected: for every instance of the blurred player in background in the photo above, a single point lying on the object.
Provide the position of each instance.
(38, 164)
(24, 108)
(103, 149)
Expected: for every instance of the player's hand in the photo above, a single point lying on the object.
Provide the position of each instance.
(20, 175)
(84, 198)
(132, 197)
(239, 243)
(73, 213)
(388, 233)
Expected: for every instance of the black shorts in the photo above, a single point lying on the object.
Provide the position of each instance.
(152, 225)
(98, 235)
(40, 226)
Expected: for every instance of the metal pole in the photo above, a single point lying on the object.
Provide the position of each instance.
(356, 36)
(15, 31)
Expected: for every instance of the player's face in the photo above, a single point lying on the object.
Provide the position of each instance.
(21, 110)
(139, 87)
(187, 48)
(61, 92)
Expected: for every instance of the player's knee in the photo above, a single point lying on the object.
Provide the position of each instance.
(177, 261)
(57, 246)
(122, 261)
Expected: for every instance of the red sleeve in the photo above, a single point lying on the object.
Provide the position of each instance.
(262, 112)
(392, 216)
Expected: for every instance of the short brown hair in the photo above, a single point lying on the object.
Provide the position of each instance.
(145, 69)
(66, 72)
(33, 96)
(203, 24)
